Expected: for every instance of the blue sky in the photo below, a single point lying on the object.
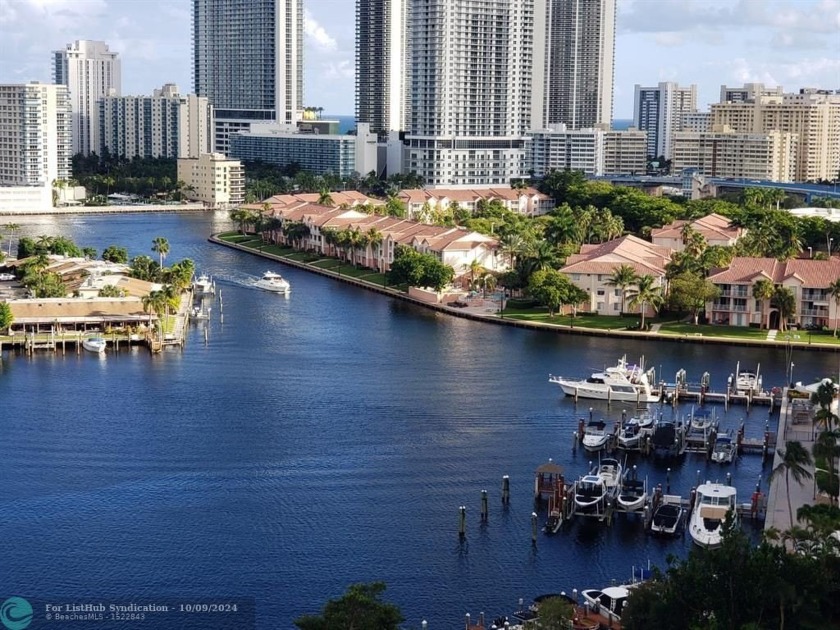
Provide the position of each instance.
(794, 43)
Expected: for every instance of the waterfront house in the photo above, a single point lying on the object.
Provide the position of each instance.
(67, 315)
(592, 267)
(808, 279)
(714, 228)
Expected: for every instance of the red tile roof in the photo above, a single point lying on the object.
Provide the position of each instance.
(812, 274)
(713, 227)
(645, 258)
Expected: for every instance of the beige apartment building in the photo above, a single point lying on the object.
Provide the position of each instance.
(814, 116)
(213, 179)
(723, 152)
(625, 152)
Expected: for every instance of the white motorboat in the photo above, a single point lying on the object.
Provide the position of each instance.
(702, 421)
(746, 381)
(667, 516)
(203, 285)
(94, 344)
(633, 495)
(607, 386)
(200, 312)
(273, 282)
(609, 602)
(713, 503)
(634, 431)
(595, 436)
(724, 450)
(600, 484)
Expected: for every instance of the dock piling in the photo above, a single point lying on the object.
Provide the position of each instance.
(484, 506)
(534, 529)
(505, 490)
(462, 523)
(667, 480)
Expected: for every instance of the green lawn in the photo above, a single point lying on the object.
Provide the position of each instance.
(806, 336)
(706, 330)
(326, 263)
(374, 278)
(601, 322)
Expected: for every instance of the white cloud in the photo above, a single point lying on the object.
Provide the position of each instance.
(318, 34)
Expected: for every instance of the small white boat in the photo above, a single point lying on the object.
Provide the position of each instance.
(609, 602)
(203, 285)
(595, 436)
(713, 503)
(667, 516)
(273, 282)
(746, 381)
(94, 344)
(702, 420)
(724, 450)
(634, 431)
(633, 495)
(200, 312)
(600, 484)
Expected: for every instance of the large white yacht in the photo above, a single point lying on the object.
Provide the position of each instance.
(714, 501)
(273, 282)
(622, 382)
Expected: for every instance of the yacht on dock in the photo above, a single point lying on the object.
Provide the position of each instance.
(600, 484)
(621, 383)
(204, 285)
(608, 602)
(746, 382)
(713, 503)
(635, 430)
(668, 439)
(94, 344)
(273, 282)
(667, 516)
(595, 436)
(702, 420)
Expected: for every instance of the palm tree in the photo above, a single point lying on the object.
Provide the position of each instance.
(826, 448)
(160, 246)
(764, 290)
(786, 302)
(646, 293)
(621, 278)
(794, 462)
(833, 291)
(475, 268)
(325, 198)
(11, 228)
(375, 238)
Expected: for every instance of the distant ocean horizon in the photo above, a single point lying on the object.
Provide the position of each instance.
(347, 123)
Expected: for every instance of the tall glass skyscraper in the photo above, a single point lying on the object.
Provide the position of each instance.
(248, 60)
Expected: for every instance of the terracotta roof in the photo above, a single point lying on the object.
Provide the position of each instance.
(813, 274)
(470, 195)
(644, 257)
(712, 227)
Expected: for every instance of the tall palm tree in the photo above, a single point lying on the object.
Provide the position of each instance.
(475, 268)
(646, 293)
(375, 238)
(161, 247)
(826, 448)
(833, 291)
(621, 278)
(325, 198)
(11, 228)
(795, 459)
(764, 290)
(786, 302)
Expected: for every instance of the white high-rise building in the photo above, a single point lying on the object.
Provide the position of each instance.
(164, 125)
(35, 148)
(381, 64)
(469, 73)
(90, 71)
(574, 52)
(248, 60)
(660, 112)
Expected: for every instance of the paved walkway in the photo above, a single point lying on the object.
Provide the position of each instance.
(771, 334)
(655, 328)
(778, 513)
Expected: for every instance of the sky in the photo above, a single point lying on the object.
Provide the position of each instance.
(793, 43)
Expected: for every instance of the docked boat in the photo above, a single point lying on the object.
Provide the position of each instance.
(702, 421)
(668, 439)
(200, 312)
(633, 495)
(609, 385)
(595, 436)
(94, 344)
(203, 285)
(634, 431)
(667, 518)
(724, 450)
(600, 484)
(609, 602)
(746, 381)
(713, 503)
(273, 282)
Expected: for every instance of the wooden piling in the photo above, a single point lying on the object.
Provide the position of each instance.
(462, 522)
(534, 529)
(505, 490)
(484, 506)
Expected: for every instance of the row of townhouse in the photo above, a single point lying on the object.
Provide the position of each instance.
(808, 279)
(528, 201)
(452, 246)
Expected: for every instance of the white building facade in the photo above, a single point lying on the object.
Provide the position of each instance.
(35, 144)
(214, 180)
(592, 151)
(90, 71)
(469, 80)
(574, 52)
(659, 111)
(164, 125)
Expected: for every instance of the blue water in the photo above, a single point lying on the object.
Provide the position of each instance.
(316, 441)
(621, 124)
(345, 123)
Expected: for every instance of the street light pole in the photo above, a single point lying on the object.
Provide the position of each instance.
(792, 382)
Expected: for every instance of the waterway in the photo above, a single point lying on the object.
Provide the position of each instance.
(316, 441)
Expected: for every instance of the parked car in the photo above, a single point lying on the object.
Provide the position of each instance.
(4, 277)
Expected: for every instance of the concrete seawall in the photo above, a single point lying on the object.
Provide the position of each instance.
(503, 321)
(186, 207)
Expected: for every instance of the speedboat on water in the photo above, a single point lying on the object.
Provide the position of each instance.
(713, 503)
(273, 282)
(595, 436)
(633, 495)
(203, 285)
(607, 386)
(724, 450)
(666, 517)
(94, 344)
(634, 431)
(601, 483)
